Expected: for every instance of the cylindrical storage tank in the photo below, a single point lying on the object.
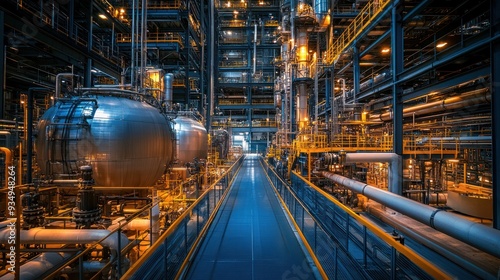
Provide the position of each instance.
(277, 99)
(127, 142)
(191, 139)
(321, 10)
(169, 88)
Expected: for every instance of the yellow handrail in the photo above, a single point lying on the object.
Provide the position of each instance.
(362, 20)
(421, 262)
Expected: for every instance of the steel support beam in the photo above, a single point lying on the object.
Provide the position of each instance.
(187, 46)
(88, 65)
(65, 50)
(356, 71)
(468, 76)
(495, 103)
(415, 11)
(397, 67)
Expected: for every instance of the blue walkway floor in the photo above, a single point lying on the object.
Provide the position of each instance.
(250, 237)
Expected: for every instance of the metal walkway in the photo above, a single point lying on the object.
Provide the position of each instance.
(250, 237)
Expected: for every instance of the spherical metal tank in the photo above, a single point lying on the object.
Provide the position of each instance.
(127, 142)
(191, 138)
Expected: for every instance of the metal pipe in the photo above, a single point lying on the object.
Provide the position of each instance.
(59, 78)
(144, 47)
(483, 139)
(456, 102)
(7, 223)
(436, 245)
(69, 236)
(132, 46)
(395, 166)
(169, 89)
(35, 268)
(87, 267)
(136, 224)
(254, 49)
(477, 235)
(8, 163)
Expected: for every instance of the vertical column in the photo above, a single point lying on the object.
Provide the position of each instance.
(356, 71)
(211, 58)
(328, 94)
(187, 46)
(397, 68)
(495, 103)
(88, 64)
(71, 17)
(2, 66)
(202, 70)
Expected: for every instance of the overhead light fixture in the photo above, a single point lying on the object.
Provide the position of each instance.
(103, 16)
(386, 50)
(440, 45)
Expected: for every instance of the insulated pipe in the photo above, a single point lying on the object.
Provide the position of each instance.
(395, 166)
(458, 138)
(139, 224)
(136, 224)
(456, 102)
(477, 235)
(7, 223)
(8, 163)
(35, 268)
(69, 236)
(434, 244)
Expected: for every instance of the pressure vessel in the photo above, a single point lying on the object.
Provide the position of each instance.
(191, 139)
(126, 141)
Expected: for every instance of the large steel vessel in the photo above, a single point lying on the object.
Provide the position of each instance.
(126, 141)
(192, 139)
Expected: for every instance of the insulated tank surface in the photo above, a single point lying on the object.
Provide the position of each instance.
(127, 142)
(192, 139)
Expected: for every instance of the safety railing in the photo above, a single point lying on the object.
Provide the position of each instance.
(346, 245)
(167, 256)
(362, 20)
(171, 4)
(158, 37)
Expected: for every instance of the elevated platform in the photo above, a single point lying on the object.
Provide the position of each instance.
(250, 237)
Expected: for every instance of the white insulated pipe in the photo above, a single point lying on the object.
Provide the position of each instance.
(35, 268)
(136, 224)
(477, 235)
(139, 223)
(69, 236)
(395, 166)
